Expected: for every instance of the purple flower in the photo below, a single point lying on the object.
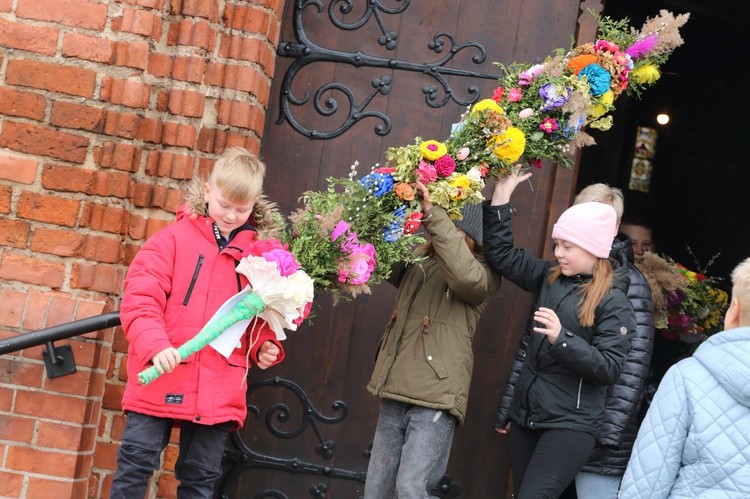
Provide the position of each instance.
(554, 96)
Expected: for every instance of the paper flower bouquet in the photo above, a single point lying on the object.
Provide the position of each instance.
(278, 292)
(348, 237)
(540, 111)
(688, 305)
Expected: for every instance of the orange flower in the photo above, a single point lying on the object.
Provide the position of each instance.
(404, 191)
(577, 63)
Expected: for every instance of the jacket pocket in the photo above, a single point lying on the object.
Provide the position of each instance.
(197, 271)
(431, 351)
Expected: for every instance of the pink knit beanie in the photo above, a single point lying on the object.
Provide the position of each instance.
(591, 226)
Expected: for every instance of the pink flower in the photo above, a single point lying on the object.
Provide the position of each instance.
(536, 163)
(549, 125)
(261, 246)
(642, 47)
(384, 169)
(285, 261)
(515, 94)
(357, 267)
(445, 165)
(341, 228)
(426, 172)
(304, 312)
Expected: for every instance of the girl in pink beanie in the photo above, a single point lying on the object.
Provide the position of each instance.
(583, 323)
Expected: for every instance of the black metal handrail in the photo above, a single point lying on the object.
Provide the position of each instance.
(59, 332)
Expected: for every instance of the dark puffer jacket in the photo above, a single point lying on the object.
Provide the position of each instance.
(610, 457)
(562, 385)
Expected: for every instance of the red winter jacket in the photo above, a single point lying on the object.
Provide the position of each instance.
(174, 285)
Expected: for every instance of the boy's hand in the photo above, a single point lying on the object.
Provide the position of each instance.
(166, 360)
(267, 354)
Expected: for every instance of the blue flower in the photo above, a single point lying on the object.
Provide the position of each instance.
(395, 229)
(378, 184)
(599, 78)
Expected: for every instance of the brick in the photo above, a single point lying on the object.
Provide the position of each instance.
(61, 78)
(166, 198)
(11, 483)
(17, 429)
(178, 134)
(186, 102)
(160, 65)
(39, 39)
(243, 78)
(5, 194)
(15, 169)
(118, 155)
(106, 456)
(6, 398)
(14, 233)
(90, 308)
(89, 48)
(166, 164)
(132, 55)
(36, 310)
(200, 8)
(11, 307)
(47, 487)
(20, 103)
(140, 22)
(101, 278)
(21, 373)
(64, 436)
(149, 130)
(82, 383)
(121, 124)
(249, 49)
(198, 34)
(250, 19)
(103, 249)
(44, 141)
(125, 92)
(240, 114)
(95, 355)
(44, 208)
(112, 219)
(67, 178)
(78, 116)
(40, 461)
(189, 69)
(79, 13)
(113, 396)
(62, 243)
(32, 270)
(60, 311)
(141, 195)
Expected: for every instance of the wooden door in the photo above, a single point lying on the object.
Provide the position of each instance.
(322, 423)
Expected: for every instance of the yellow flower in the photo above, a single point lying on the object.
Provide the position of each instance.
(461, 181)
(509, 145)
(487, 104)
(432, 150)
(605, 104)
(646, 74)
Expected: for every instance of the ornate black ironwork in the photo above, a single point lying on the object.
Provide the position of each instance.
(244, 458)
(306, 52)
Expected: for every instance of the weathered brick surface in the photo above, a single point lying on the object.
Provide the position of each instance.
(107, 110)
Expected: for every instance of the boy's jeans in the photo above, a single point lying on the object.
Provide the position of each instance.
(198, 465)
(410, 451)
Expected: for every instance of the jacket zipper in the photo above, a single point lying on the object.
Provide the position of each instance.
(578, 399)
(197, 270)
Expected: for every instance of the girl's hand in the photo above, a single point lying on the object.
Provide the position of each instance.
(506, 185)
(425, 195)
(166, 360)
(550, 323)
(504, 429)
(267, 354)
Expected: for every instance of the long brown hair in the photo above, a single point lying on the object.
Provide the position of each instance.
(592, 292)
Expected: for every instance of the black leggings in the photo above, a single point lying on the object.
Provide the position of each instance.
(544, 462)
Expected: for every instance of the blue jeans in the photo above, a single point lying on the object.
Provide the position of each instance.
(595, 486)
(198, 465)
(410, 451)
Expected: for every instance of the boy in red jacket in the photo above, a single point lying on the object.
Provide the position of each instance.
(175, 284)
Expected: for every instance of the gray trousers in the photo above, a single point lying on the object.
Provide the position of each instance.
(198, 465)
(410, 451)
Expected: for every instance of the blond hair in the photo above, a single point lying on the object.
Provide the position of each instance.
(741, 287)
(602, 193)
(592, 292)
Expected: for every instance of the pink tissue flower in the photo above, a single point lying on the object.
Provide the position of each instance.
(357, 267)
(445, 165)
(285, 261)
(426, 172)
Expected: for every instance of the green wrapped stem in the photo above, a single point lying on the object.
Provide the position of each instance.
(250, 306)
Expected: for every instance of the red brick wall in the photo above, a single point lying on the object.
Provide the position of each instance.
(106, 109)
